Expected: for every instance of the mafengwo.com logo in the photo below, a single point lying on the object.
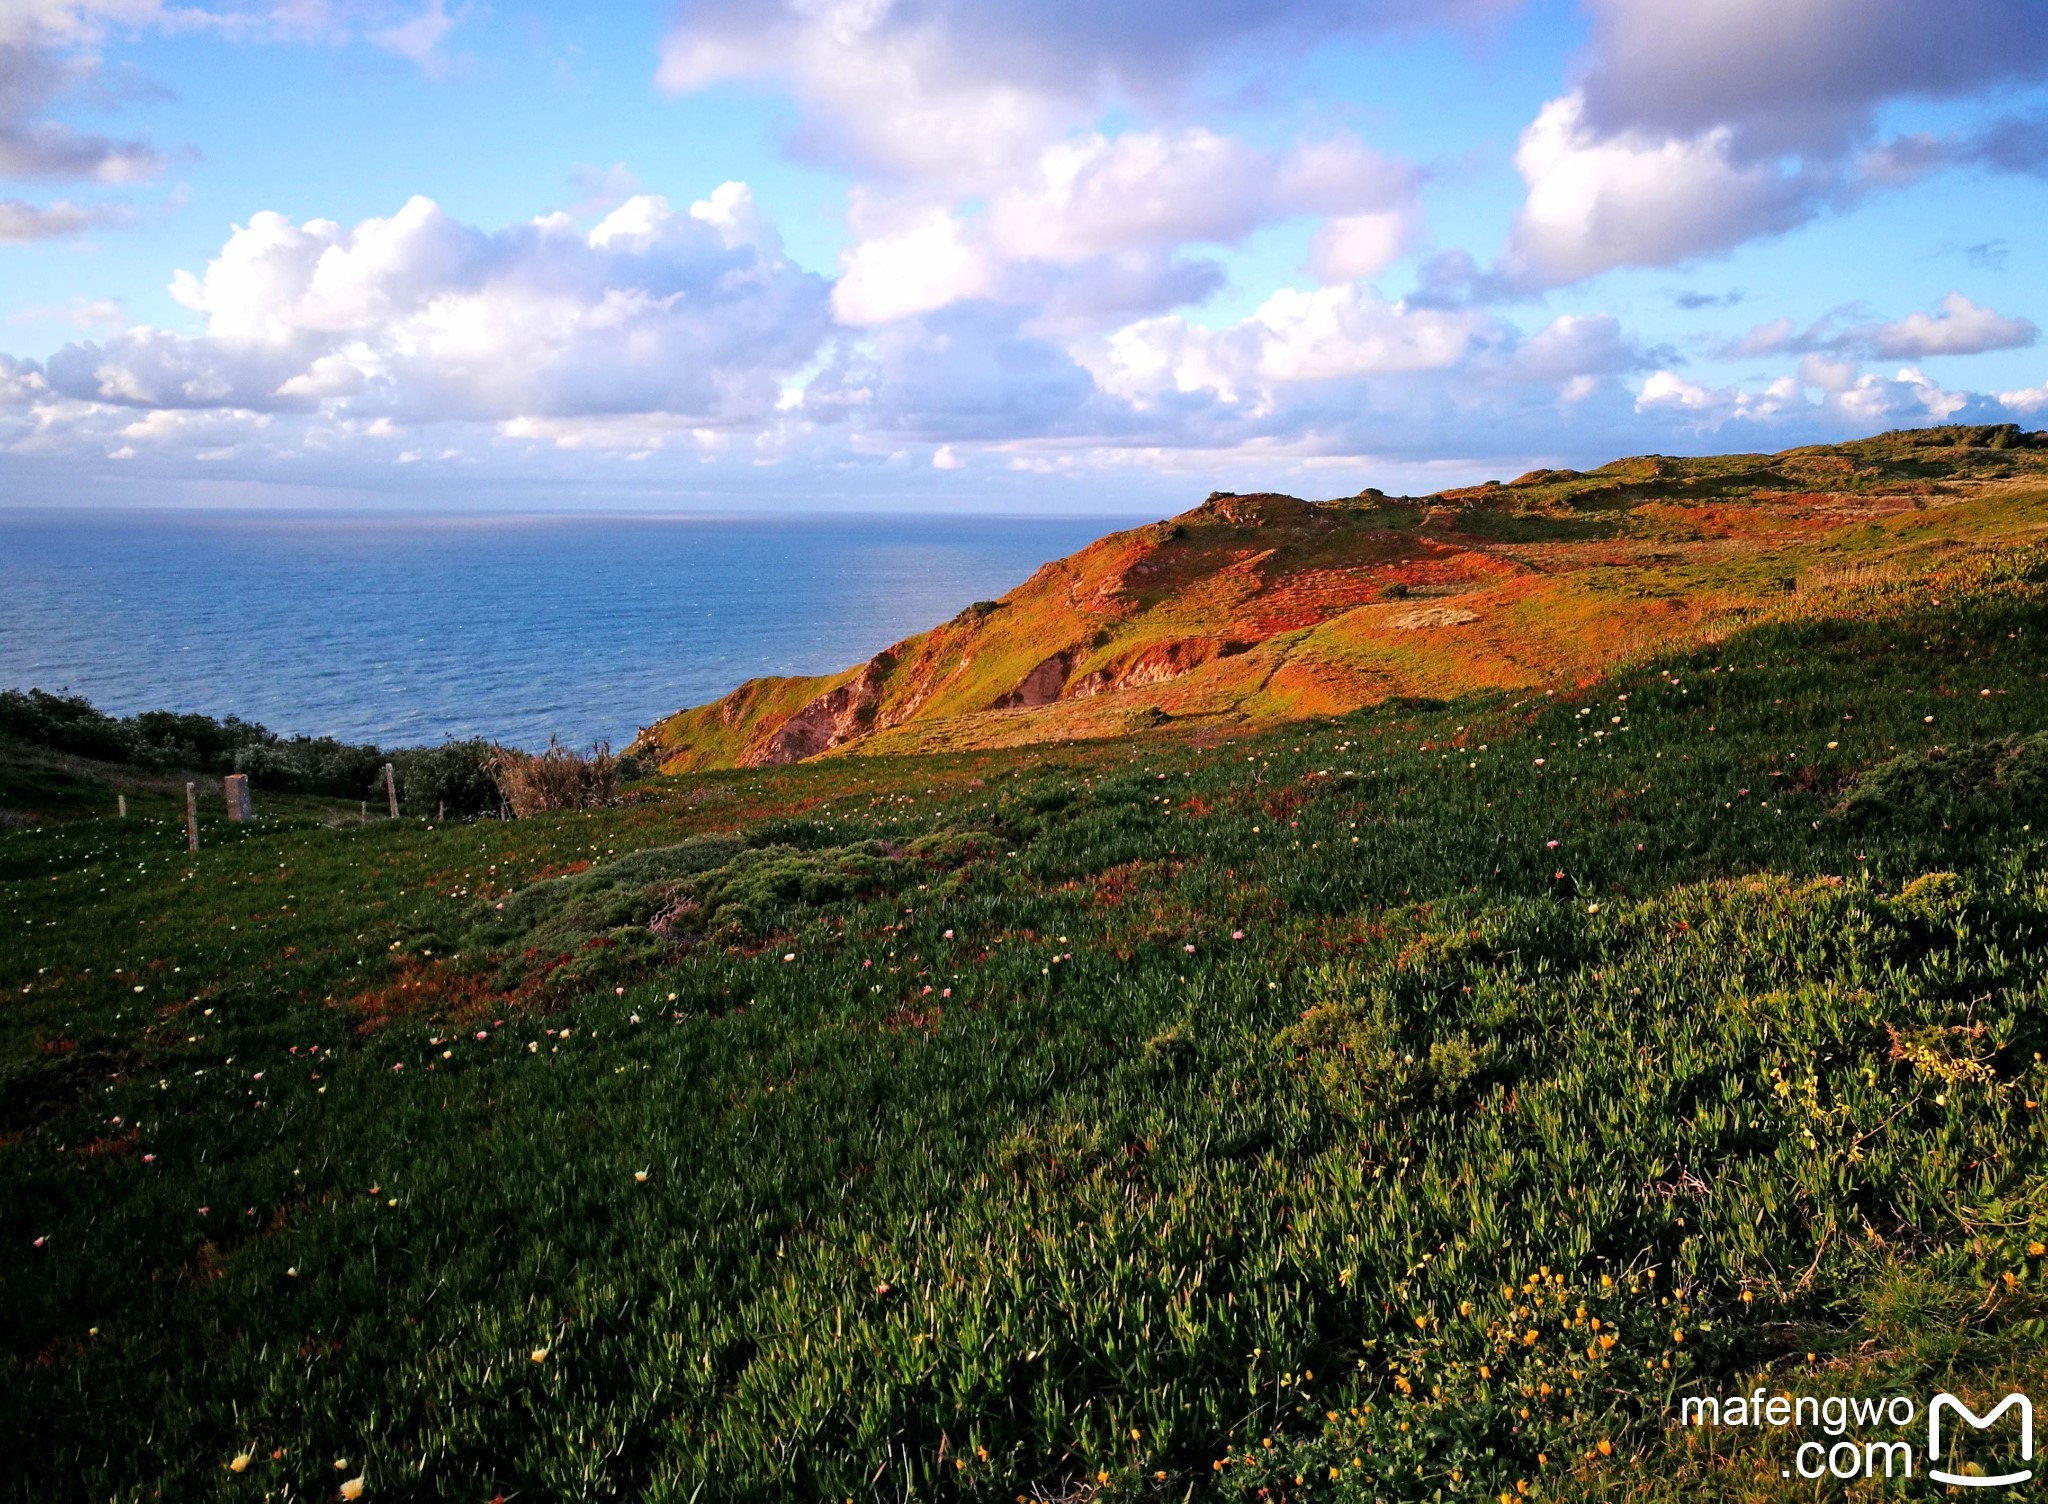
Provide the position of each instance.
(1909, 1441)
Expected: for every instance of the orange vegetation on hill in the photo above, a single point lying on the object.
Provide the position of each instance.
(1253, 609)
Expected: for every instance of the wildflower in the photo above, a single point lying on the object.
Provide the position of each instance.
(618, 992)
(946, 992)
(1606, 1448)
(639, 1177)
(790, 957)
(2035, 1250)
(1189, 949)
(483, 1033)
(1551, 844)
(949, 934)
(353, 1489)
(540, 1355)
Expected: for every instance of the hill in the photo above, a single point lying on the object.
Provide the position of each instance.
(1412, 1103)
(1252, 610)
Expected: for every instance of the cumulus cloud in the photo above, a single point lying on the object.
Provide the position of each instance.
(1960, 327)
(1701, 124)
(1599, 201)
(965, 91)
(1824, 394)
(1090, 229)
(1796, 75)
(696, 315)
(21, 221)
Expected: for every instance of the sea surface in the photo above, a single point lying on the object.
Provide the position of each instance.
(405, 630)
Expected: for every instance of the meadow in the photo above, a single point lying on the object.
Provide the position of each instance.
(1401, 1105)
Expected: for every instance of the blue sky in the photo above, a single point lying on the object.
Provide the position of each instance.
(1044, 255)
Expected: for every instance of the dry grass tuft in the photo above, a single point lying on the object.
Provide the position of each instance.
(559, 778)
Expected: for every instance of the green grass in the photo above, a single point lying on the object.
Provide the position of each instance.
(982, 1159)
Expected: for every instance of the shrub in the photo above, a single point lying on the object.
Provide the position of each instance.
(1943, 783)
(454, 778)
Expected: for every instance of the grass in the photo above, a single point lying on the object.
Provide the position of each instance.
(1211, 1115)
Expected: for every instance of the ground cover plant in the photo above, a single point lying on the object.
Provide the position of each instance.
(1400, 1105)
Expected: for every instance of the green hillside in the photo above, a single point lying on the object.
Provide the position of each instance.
(1257, 610)
(1405, 1104)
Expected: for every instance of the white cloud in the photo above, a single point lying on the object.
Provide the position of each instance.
(1843, 401)
(1961, 328)
(22, 222)
(964, 93)
(923, 265)
(693, 315)
(1797, 75)
(1701, 124)
(418, 38)
(2030, 399)
(1596, 202)
(1088, 231)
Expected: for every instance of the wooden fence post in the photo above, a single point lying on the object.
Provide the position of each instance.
(391, 790)
(236, 787)
(191, 817)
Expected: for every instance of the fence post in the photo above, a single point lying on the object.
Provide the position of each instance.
(191, 817)
(391, 790)
(121, 805)
(236, 787)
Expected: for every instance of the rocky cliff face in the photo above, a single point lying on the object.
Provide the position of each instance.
(1261, 607)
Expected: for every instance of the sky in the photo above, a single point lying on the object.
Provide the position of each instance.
(995, 255)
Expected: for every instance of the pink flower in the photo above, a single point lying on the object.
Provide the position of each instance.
(619, 991)
(149, 1159)
(949, 934)
(1551, 844)
(1189, 949)
(1237, 934)
(926, 993)
(948, 992)
(483, 1033)
(41, 1241)
(202, 1211)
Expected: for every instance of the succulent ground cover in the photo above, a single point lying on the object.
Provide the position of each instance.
(1406, 1104)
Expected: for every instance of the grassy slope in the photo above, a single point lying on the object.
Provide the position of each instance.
(980, 1155)
(1549, 580)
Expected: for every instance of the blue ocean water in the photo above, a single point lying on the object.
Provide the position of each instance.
(403, 630)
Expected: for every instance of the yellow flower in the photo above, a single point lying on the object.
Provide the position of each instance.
(240, 1464)
(1606, 1447)
(639, 1177)
(2035, 1250)
(353, 1489)
(540, 1355)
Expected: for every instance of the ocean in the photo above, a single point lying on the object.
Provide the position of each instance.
(405, 630)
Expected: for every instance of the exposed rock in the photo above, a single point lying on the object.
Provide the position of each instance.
(1043, 684)
(831, 720)
(1432, 616)
(1155, 664)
